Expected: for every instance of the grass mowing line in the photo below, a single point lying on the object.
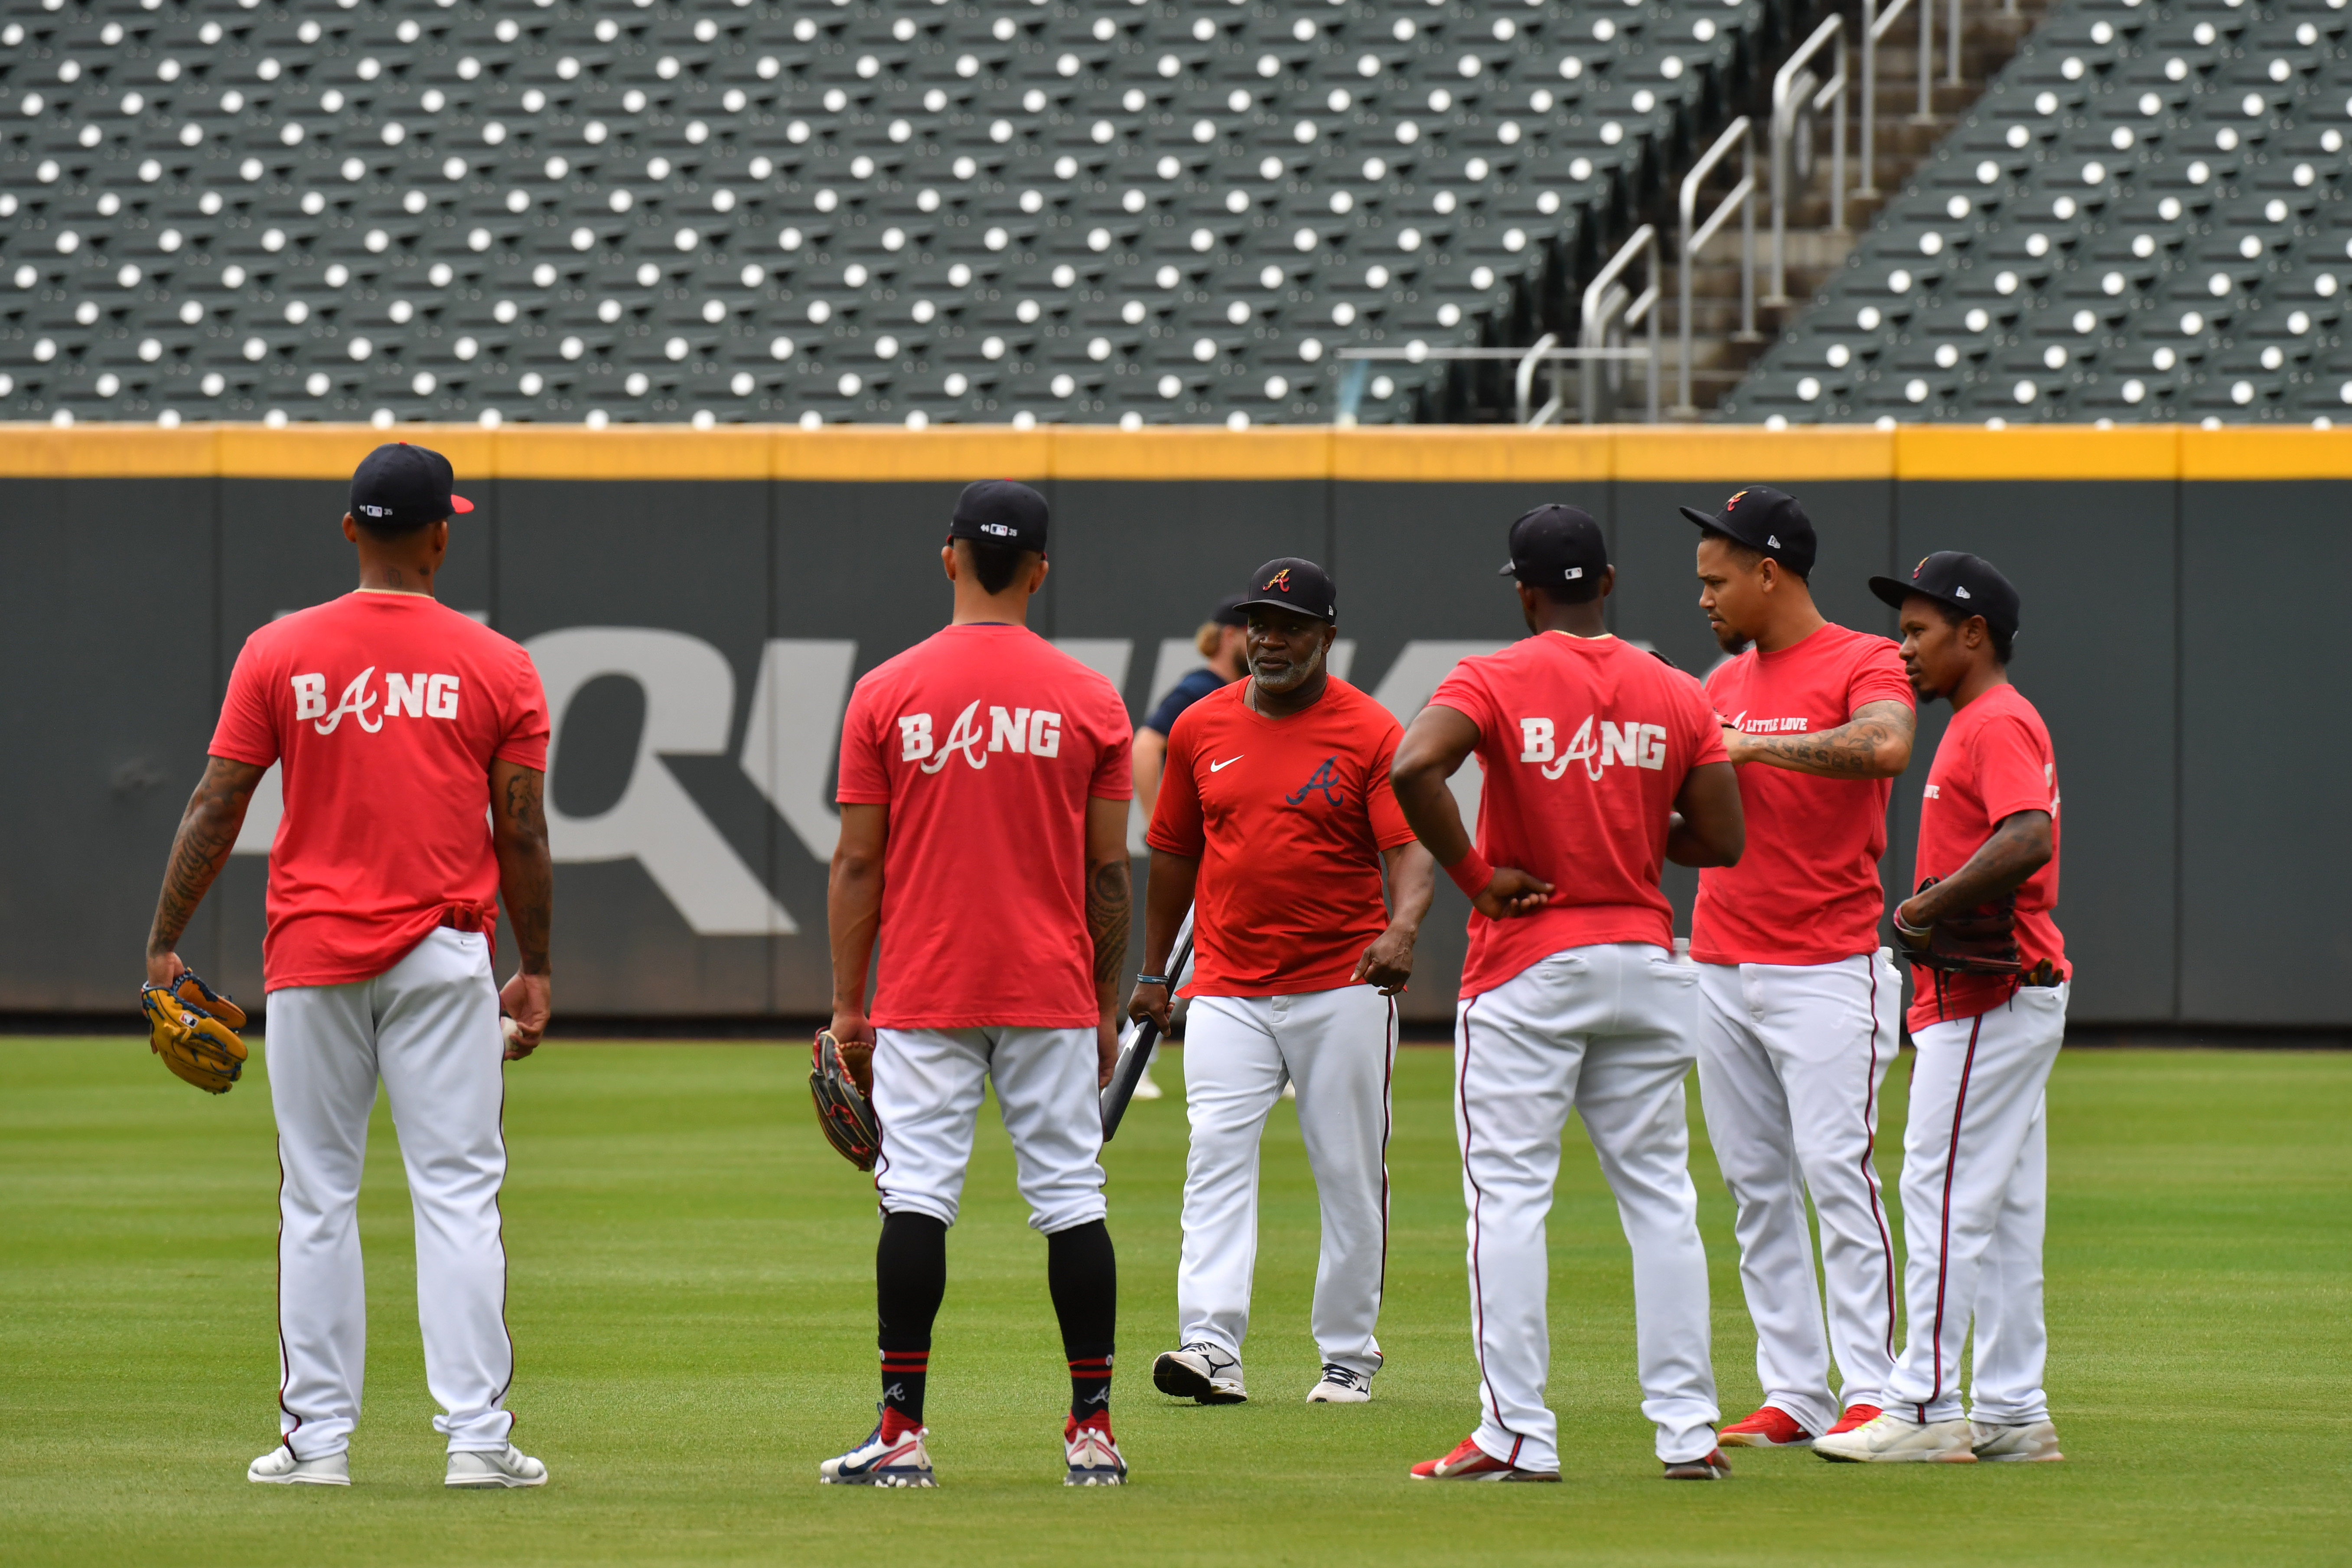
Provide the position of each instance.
(693, 1305)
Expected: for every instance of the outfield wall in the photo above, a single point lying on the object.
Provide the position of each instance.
(700, 602)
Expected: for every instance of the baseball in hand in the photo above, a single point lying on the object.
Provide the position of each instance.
(508, 1027)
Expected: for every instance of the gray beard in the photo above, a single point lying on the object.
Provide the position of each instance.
(1300, 674)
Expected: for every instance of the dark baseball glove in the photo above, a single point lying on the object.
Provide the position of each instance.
(841, 1077)
(194, 1029)
(1981, 940)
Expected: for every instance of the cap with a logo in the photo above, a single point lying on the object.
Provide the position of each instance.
(1767, 520)
(1559, 545)
(999, 511)
(1969, 583)
(1229, 612)
(398, 485)
(1291, 584)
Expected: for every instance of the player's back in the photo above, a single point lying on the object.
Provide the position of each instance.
(385, 712)
(985, 742)
(1585, 743)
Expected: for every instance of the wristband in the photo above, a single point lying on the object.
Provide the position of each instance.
(1472, 872)
(1159, 979)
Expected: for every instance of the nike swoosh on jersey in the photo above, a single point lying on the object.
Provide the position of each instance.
(1229, 762)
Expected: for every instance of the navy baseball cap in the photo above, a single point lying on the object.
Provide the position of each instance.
(1290, 584)
(398, 487)
(1969, 583)
(1767, 522)
(1229, 612)
(999, 511)
(1558, 545)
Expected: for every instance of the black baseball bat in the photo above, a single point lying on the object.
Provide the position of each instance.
(1135, 1051)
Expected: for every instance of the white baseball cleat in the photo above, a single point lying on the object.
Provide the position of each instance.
(1997, 1443)
(903, 1461)
(507, 1467)
(1895, 1439)
(1342, 1385)
(280, 1467)
(1200, 1371)
(1093, 1453)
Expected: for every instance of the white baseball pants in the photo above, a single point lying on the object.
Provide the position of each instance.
(1604, 1031)
(928, 1085)
(1975, 1202)
(427, 1028)
(1790, 1058)
(1340, 1047)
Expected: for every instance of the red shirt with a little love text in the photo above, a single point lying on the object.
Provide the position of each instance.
(383, 712)
(985, 742)
(1995, 759)
(1288, 818)
(1806, 890)
(1585, 742)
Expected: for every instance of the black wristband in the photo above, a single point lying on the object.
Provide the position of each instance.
(1159, 979)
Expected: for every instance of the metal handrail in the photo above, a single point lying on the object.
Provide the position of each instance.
(1524, 381)
(1792, 86)
(1875, 25)
(1742, 195)
(1606, 299)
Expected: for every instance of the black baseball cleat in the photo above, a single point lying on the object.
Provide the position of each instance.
(1713, 1468)
(1200, 1371)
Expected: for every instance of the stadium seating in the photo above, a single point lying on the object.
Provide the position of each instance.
(880, 210)
(2143, 219)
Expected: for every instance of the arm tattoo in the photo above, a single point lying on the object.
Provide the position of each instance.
(2002, 864)
(1109, 913)
(1849, 752)
(526, 875)
(208, 830)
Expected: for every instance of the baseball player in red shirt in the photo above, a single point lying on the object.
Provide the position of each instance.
(1797, 998)
(1273, 824)
(984, 793)
(1975, 1151)
(1601, 762)
(411, 742)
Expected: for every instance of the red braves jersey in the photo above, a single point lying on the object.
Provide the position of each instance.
(985, 742)
(1585, 742)
(1994, 761)
(1288, 817)
(1807, 889)
(383, 711)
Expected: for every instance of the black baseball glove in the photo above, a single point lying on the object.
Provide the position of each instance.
(841, 1077)
(1981, 940)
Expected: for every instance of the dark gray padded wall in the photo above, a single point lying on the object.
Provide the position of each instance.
(2264, 859)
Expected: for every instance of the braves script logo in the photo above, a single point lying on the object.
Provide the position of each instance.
(1279, 582)
(1634, 746)
(1734, 501)
(413, 696)
(1036, 732)
(1326, 780)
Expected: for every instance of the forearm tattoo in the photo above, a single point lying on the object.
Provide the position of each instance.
(1109, 913)
(1850, 750)
(208, 830)
(525, 874)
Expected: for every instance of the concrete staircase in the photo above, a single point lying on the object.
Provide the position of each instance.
(1719, 357)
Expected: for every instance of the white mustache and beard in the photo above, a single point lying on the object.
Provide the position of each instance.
(1290, 678)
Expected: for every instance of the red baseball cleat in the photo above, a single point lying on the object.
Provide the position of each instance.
(1770, 1428)
(1855, 1415)
(1469, 1462)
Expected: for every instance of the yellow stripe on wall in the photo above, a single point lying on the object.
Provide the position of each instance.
(1408, 453)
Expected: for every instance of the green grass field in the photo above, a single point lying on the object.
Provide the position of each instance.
(693, 1303)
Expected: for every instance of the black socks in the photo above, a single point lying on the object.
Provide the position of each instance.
(1083, 1272)
(911, 1276)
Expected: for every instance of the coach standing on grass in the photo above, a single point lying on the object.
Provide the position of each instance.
(1797, 999)
(1276, 820)
(411, 743)
(1987, 1020)
(1601, 763)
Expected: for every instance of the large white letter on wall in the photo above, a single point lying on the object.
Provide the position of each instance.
(689, 695)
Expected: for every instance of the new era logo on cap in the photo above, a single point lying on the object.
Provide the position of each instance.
(1960, 591)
